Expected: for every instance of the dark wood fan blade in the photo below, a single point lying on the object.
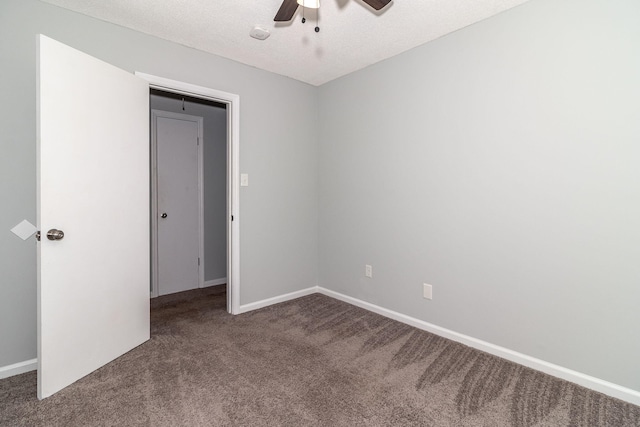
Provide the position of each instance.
(377, 4)
(286, 11)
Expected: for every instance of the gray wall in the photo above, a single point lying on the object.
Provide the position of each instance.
(278, 119)
(501, 164)
(215, 177)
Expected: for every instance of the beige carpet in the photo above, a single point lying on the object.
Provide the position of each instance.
(313, 361)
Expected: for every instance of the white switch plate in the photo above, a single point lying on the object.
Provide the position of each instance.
(368, 271)
(244, 180)
(427, 291)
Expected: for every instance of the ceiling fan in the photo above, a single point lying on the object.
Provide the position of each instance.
(289, 7)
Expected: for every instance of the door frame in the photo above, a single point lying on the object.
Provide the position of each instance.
(232, 101)
(155, 273)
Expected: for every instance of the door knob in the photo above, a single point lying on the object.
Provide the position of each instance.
(164, 215)
(54, 234)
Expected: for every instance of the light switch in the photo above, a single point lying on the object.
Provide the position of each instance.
(427, 291)
(244, 180)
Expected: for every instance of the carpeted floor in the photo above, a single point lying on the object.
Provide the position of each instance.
(314, 361)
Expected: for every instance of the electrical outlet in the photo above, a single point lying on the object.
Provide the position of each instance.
(368, 271)
(427, 291)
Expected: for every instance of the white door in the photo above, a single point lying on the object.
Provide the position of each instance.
(93, 184)
(179, 200)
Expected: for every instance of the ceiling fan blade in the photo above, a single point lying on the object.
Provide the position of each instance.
(377, 4)
(286, 11)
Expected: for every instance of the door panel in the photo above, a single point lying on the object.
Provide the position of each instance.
(179, 198)
(93, 184)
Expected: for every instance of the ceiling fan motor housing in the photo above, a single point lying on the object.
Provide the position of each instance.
(288, 8)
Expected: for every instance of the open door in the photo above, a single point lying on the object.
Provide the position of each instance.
(93, 214)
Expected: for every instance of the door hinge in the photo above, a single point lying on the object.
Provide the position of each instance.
(198, 139)
(231, 217)
(198, 260)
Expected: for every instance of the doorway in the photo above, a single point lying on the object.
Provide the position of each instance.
(189, 181)
(197, 95)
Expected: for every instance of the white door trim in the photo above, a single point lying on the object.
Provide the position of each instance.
(232, 102)
(154, 195)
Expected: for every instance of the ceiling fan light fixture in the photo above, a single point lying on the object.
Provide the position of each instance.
(313, 4)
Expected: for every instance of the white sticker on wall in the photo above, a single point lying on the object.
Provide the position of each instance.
(24, 230)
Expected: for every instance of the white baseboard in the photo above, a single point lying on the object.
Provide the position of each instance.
(605, 387)
(215, 282)
(275, 300)
(18, 368)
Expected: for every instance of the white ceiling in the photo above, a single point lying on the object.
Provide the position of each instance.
(352, 35)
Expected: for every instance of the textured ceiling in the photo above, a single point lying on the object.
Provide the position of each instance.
(352, 35)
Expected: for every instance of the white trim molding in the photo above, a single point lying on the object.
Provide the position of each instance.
(232, 101)
(215, 282)
(275, 300)
(596, 384)
(18, 368)
(605, 387)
